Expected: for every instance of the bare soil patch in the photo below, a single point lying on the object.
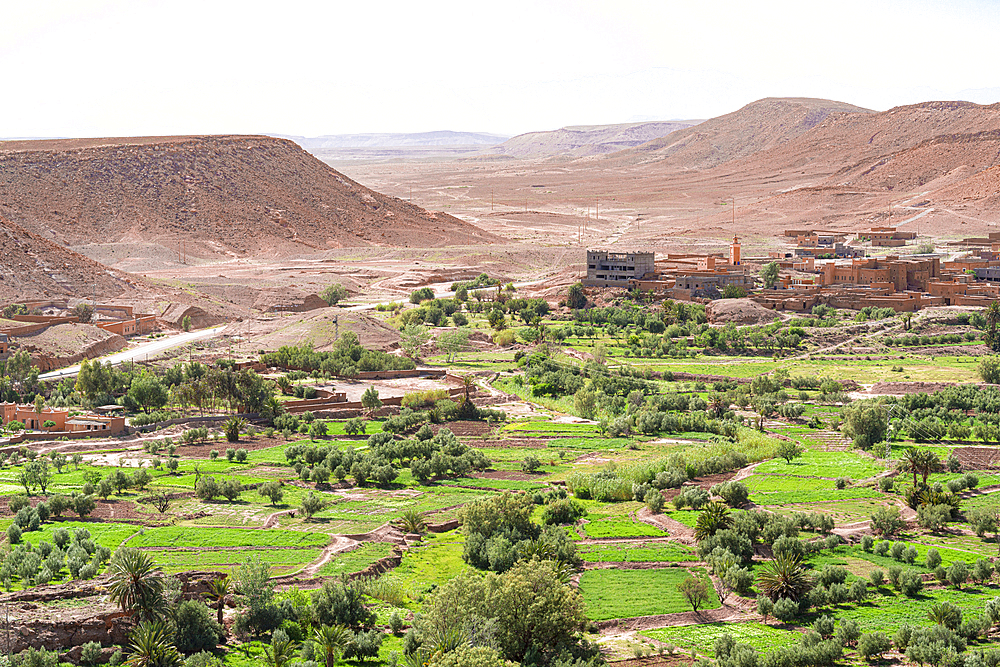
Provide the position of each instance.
(903, 388)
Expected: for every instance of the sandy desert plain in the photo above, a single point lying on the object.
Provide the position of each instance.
(458, 458)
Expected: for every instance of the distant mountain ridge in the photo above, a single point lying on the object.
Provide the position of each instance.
(758, 126)
(584, 140)
(396, 139)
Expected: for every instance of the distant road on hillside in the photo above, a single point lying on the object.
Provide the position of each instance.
(142, 352)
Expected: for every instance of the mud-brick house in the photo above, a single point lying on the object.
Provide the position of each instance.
(110, 425)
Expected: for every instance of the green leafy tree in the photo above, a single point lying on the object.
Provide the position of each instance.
(886, 521)
(313, 505)
(696, 591)
(713, 518)
(991, 336)
(148, 392)
(789, 450)
(575, 298)
(866, 423)
(989, 369)
(196, 629)
(769, 275)
(255, 597)
(280, 651)
(370, 400)
(453, 341)
(233, 427)
(271, 490)
(186, 323)
(333, 294)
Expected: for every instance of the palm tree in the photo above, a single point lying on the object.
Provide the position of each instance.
(218, 590)
(910, 462)
(945, 614)
(992, 320)
(153, 646)
(929, 462)
(333, 639)
(784, 577)
(469, 384)
(713, 518)
(280, 652)
(719, 405)
(412, 521)
(136, 584)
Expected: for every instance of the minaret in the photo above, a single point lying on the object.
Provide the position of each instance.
(734, 251)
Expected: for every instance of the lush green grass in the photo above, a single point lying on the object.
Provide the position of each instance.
(280, 560)
(701, 638)
(197, 536)
(629, 593)
(772, 483)
(356, 559)
(652, 552)
(620, 527)
(549, 427)
(889, 610)
(824, 464)
(808, 496)
(432, 563)
(109, 535)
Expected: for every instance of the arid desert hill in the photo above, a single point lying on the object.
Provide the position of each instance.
(755, 127)
(32, 267)
(218, 195)
(582, 140)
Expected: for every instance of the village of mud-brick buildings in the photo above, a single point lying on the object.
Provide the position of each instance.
(822, 268)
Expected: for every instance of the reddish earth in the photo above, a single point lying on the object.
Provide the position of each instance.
(226, 195)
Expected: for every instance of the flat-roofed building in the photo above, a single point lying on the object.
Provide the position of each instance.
(616, 269)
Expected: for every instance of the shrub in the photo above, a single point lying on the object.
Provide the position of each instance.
(910, 583)
(90, 654)
(958, 573)
(895, 572)
(877, 577)
(874, 645)
(932, 560)
(786, 609)
(848, 632)
(886, 521)
(654, 501)
(197, 628)
(13, 533)
(867, 541)
(562, 511)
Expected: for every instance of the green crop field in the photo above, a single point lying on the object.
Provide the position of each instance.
(629, 593)
(640, 553)
(611, 430)
(701, 638)
(190, 536)
(618, 527)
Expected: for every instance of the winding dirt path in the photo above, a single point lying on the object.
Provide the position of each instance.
(338, 545)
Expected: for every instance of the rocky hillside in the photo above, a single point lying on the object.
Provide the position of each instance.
(586, 140)
(758, 126)
(32, 267)
(209, 196)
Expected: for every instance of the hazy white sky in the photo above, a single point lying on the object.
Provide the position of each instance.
(112, 67)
